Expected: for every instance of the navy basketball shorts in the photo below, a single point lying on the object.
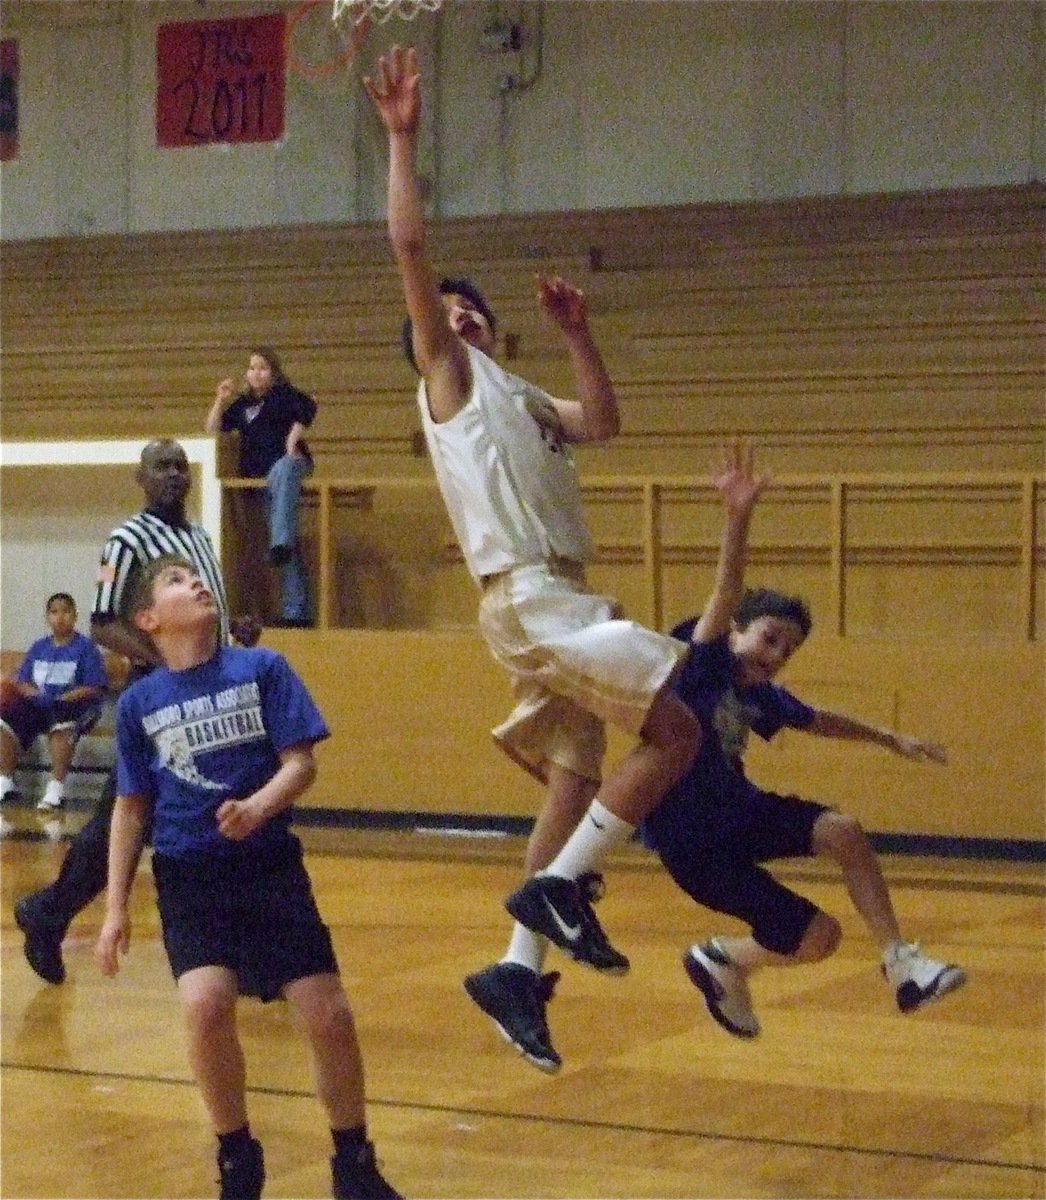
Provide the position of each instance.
(253, 913)
(719, 865)
(26, 719)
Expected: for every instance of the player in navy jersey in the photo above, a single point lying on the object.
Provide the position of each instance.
(162, 527)
(715, 828)
(61, 681)
(215, 746)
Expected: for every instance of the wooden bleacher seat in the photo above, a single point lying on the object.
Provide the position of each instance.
(886, 325)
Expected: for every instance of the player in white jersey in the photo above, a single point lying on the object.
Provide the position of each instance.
(501, 451)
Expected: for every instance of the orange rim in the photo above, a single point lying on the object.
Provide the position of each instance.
(321, 70)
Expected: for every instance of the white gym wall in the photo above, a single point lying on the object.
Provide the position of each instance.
(605, 104)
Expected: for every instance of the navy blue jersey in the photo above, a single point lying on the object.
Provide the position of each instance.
(190, 740)
(706, 684)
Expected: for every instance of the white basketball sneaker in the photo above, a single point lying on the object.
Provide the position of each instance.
(724, 988)
(917, 979)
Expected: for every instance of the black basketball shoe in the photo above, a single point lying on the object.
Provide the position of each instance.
(561, 909)
(356, 1177)
(514, 997)
(241, 1176)
(43, 942)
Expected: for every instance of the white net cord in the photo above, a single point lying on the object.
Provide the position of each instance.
(355, 11)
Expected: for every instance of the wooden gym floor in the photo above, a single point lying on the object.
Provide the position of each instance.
(842, 1096)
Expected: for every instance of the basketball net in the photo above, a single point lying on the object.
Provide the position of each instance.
(352, 21)
(353, 12)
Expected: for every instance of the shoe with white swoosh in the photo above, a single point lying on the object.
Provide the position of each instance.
(561, 910)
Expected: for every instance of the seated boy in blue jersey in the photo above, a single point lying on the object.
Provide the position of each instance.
(714, 828)
(216, 746)
(61, 682)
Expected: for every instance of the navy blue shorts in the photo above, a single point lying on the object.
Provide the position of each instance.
(717, 862)
(253, 913)
(27, 718)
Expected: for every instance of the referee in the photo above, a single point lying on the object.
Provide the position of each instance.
(160, 528)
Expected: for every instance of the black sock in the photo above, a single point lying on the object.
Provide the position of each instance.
(234, 1144)
(349, 1142)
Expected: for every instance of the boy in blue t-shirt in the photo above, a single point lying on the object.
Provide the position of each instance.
(217, 745)
(61, 682)
(714, 828)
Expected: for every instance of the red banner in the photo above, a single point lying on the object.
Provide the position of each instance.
(220, 81)
(8, 99)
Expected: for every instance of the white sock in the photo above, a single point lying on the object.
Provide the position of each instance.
(597, 833)
(894, 949)
(526, 949)
(7, 784)
(55, 788)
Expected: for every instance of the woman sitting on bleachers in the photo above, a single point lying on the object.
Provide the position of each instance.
(271, 416)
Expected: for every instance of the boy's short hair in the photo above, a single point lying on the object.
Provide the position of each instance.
(765, 602)
(448, 286)
(140, 593)
(60, 596)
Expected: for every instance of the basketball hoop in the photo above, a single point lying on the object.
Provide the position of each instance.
(352, 38)
(355, 11)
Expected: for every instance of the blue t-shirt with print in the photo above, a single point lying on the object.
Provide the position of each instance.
(190, 740)
(55, 669)
(706, 684)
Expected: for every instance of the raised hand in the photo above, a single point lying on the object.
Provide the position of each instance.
(396, 90)
(564, 303)
(737, 483)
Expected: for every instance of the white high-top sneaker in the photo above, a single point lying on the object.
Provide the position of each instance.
(724, 988)
(917, 979)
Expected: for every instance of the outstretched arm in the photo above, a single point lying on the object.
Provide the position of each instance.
(442, 360)
(739, 488)
(594, 416)
(838, 725)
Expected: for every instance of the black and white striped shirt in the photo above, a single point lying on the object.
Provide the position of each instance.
(140, 540)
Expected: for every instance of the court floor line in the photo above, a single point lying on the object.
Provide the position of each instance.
(577, 1122)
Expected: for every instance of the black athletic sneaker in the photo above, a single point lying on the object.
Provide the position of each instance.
(358, 1178)
(514, 997)
(241, 1176)
(43, 944)
(561, 909)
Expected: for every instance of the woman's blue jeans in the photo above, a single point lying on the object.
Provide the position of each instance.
(282, 502)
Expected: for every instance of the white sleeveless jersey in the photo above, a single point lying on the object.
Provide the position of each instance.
(506, 473)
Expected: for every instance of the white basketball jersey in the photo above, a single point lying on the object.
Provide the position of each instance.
(506, 473)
